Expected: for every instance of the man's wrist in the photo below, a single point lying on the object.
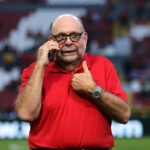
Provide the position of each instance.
(96, 93)
(92, 88)
(40, 64)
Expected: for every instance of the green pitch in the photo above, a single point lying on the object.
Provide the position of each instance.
(132, 144)
(120, 144)
(14, 144)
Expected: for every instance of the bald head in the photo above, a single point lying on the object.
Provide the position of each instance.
(66, 21)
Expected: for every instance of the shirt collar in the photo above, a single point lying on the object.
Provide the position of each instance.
(53, 67)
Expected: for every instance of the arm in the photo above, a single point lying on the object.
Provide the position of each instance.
(28, 102)
(113, 106)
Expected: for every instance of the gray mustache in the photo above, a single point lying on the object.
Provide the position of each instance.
(69, 48)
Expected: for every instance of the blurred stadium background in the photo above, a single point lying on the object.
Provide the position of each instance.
(118, 30)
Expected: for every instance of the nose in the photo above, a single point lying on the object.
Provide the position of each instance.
(68, 41)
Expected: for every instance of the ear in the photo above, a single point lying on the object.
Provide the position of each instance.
(86, 37)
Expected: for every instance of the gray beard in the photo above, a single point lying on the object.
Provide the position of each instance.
(61, 61)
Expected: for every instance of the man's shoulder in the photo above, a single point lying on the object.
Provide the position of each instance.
(29, 69)
(98, 58)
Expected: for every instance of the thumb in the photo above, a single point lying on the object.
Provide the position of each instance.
(85, 67)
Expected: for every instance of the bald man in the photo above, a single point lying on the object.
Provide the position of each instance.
(69, 97)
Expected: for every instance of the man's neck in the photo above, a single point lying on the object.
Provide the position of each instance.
(70, 67)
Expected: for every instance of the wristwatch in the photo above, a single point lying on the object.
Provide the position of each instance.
(96, 93)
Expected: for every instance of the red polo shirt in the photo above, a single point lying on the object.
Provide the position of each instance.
(68, 120)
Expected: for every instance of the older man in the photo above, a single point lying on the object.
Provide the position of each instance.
(71, 98)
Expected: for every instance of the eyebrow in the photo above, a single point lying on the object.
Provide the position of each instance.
(68, 33)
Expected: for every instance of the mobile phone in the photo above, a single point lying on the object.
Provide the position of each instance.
(52, 54)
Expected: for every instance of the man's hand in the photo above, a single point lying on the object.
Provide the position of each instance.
(83, 82)
(49, 47)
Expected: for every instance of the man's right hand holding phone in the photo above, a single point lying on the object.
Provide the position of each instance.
(49, 47)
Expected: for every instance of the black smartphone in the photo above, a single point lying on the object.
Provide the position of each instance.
(52, 54)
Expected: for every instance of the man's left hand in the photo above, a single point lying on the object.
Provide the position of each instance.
(83, 82)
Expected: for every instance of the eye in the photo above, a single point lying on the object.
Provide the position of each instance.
(75, 36)
(60, 36)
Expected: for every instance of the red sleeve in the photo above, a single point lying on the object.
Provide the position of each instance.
(25, 77)
(113, 82)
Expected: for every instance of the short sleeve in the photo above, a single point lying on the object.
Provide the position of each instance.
(113, 82)
(25, 77)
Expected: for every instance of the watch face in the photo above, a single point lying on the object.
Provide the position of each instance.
(96, 94)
